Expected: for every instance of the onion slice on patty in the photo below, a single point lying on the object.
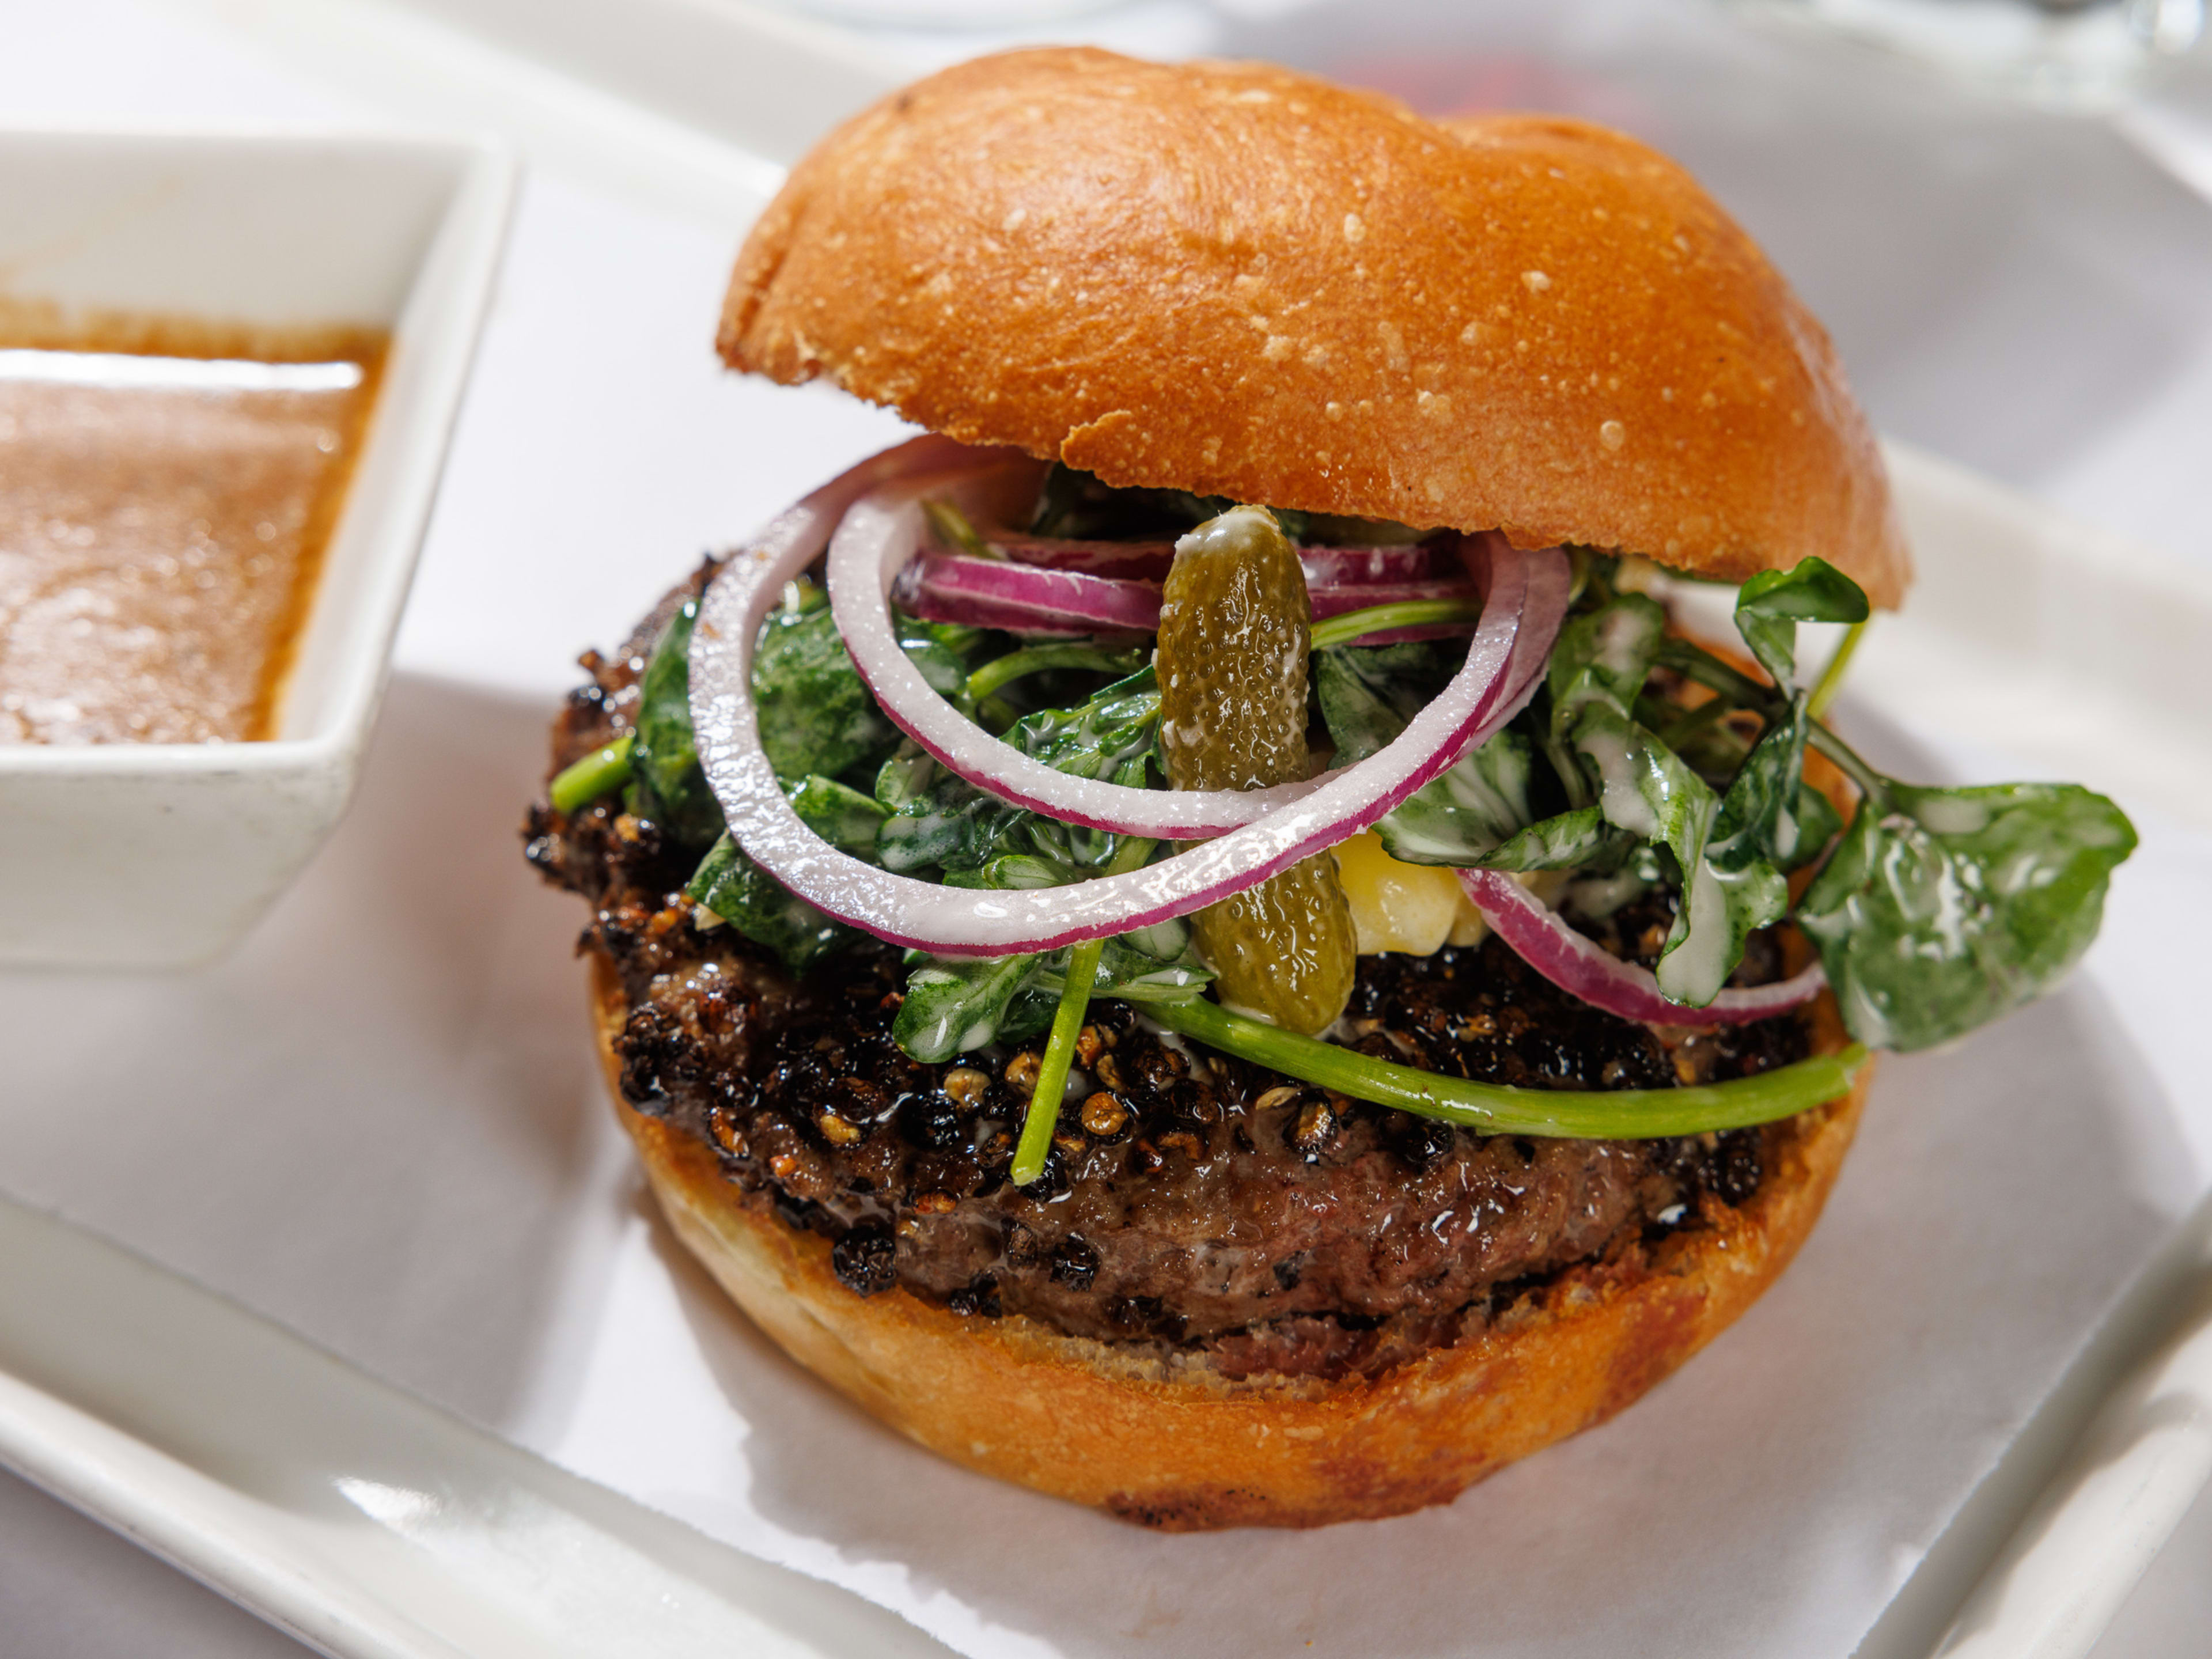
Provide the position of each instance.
(1325, 567)
(1539, 936)
(879, 534)
(1027, 599)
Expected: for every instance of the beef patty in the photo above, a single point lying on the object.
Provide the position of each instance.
(1190, 1199)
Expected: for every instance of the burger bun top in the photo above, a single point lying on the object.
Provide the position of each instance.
(1240, 281)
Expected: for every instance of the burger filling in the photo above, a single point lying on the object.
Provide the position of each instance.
(1546, 1009)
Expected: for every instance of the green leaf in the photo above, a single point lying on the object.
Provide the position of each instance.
(1759, 821)
(671, 787)
(1015, 871)
(815, 715)
(1955, 905)
(1769, 607)
(844, 817)
(1368, 694)
(941, 653)
(1577, 840)
(1464, 816)
(760, 908)
(1129, 971)
(1602, 659)
(941, 820)
(956, 1004)
(1646, 789)
(907, 776)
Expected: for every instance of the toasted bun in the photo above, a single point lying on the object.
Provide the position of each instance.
(1177, 1446)
(1240, 281)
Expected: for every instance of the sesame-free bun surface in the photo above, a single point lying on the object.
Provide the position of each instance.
(1169, 1443)
(1245, 282)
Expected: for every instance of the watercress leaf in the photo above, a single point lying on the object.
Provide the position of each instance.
(943, 820)
(942, 669)
(1167, 941)
(955, 1004)
(844, 818)
(1944, 908)
(1817, 824)
(951, 823)
(1132, 974)
(815, 715)
(753, 902)
(1646, 789)
(1576, 840)
(1769, 607)
(671, 787)
(1464, 815)
(1602, 659)
(907, 776)
(1099, 736)
(1758, 818)
(1369, 693)
(1016, 870)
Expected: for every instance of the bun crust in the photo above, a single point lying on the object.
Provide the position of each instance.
(1240, 281)
(1171, 1444)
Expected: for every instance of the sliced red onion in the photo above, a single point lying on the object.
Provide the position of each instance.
(867, 554)
(1026, 598)
(1145, 560)
(952, 588)
(1336, 567)
(1528, 600)
(1325, 567)
(1539, 936)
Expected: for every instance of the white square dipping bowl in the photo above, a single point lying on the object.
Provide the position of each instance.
(154, 855)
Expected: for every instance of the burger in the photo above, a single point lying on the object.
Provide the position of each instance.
(1201, 937)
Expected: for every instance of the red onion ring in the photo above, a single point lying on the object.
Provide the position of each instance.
(867, 553)
(1342, 567)
(1529, 595)
(1147, 561)
(952, 588)
(1539, 936)
(1325, 567)
(1026, 598)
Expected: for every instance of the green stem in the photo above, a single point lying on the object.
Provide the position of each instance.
(591, 777)
(1831, 676)
(1066, 1025)
(1382, 618)
(1495, 1108)
(1701, 666)
(951, 525)
(1032, 660)
(1058, 1054)
(1871, 783)
(1696, 720)
(1695, 662)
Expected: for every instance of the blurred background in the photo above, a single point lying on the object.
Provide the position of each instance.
(2002, 209)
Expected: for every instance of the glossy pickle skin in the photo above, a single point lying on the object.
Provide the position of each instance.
(1233, 640)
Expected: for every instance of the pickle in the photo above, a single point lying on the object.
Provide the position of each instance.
(1234, 622)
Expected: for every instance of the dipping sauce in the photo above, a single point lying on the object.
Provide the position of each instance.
(166, 492)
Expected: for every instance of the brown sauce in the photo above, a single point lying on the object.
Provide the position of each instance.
(166, 492)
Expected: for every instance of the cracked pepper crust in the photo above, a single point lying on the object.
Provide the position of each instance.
(1234, 1299)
